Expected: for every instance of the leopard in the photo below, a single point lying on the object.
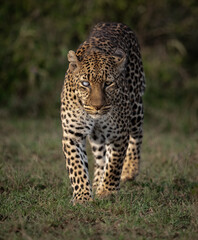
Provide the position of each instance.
(101, 103)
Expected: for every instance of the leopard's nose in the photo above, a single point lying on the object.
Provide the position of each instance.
(97, 106)
(97, 97)
(97, 102)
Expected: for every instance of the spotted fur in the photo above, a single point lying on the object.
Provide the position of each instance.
(102, 99)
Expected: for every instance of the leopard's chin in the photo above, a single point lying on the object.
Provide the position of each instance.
(96, 114)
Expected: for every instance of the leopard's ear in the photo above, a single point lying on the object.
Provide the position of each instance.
(120, 58)
(73, 61)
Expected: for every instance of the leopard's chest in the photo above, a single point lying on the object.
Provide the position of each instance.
(111, 127)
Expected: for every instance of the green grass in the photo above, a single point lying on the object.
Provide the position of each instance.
(35, 191)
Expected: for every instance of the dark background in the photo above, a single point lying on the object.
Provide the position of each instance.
(36, 36)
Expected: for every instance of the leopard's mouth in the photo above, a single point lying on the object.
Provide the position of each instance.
(93, 111)
(97, 112)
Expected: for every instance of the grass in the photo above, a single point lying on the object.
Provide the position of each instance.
(35, 191)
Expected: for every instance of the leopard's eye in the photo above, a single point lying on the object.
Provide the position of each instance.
(85, 83)
(107, 84)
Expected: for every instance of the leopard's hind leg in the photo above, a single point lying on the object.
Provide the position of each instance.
(132, 160)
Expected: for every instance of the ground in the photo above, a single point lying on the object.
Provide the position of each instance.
(35, 191)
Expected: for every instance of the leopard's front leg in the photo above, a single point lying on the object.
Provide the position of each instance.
(77, 167)
(115, 154)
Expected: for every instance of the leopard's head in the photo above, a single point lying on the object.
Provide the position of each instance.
(96, 79)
